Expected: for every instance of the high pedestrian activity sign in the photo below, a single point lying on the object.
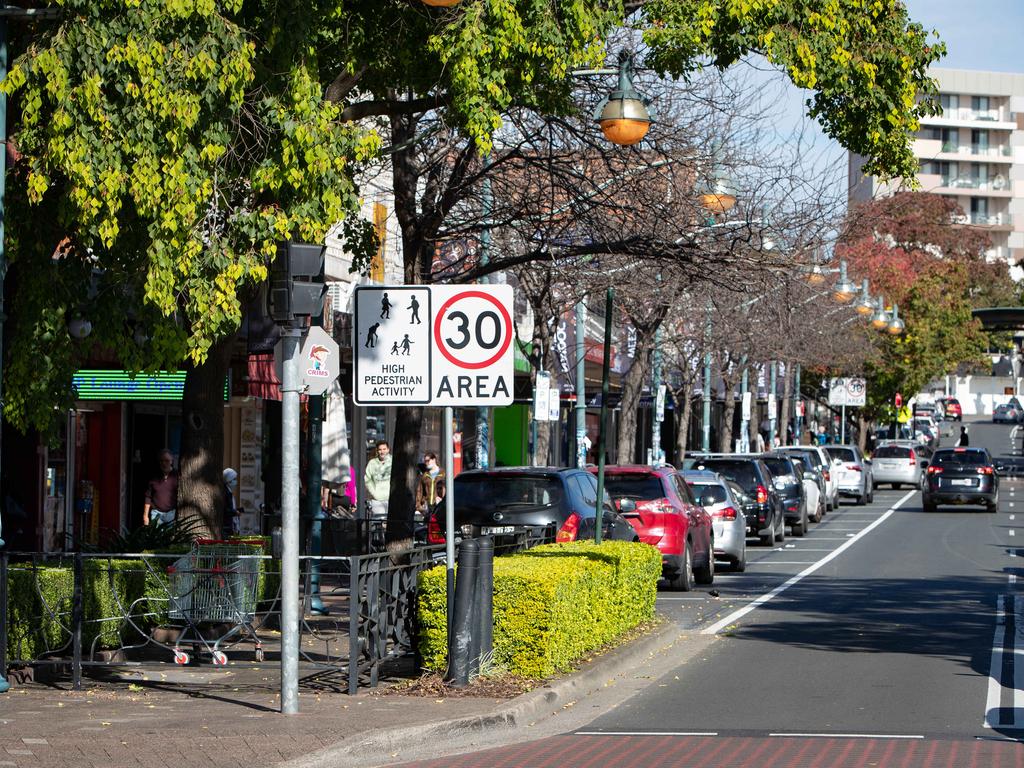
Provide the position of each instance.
(433, 345)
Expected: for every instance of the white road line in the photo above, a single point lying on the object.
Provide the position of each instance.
(718, 626)
(995, 668)
(1012, 578)
(645, 733)
(851, 735)
(1013, 517)
(1012, 532)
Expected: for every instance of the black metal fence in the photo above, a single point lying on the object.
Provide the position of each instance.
(70, 614)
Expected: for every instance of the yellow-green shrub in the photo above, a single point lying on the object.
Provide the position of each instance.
(552, 604)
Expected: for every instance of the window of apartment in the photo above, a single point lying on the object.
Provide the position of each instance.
(979, 207)
(930, 132)
(979, 103)
(935, 167)
(979, 139)
(949, 101)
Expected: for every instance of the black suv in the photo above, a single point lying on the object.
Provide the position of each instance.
(764, 508)
(961, 476)
(502, 502)
(788, 479)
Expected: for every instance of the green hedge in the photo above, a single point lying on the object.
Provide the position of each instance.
(552, 604)
(39, 605)
(39, 601)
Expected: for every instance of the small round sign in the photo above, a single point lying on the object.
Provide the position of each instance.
(472, 330)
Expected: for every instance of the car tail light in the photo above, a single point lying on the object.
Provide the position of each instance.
(729, 513)
(934, 470)
(569, 530)
(793, 508)
(434, 533)
(913, 458)
(985, 471)
(854, 467)
(762, 494)
(664, 507)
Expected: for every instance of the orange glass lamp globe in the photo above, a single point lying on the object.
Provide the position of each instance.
(624, 131)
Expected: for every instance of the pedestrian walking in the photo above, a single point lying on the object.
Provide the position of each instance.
(377, 478)
(430, 488)
(160, 504)
(963, 441)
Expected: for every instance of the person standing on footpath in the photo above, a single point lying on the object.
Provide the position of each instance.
(160, 504)
(430, 488)
(377, 478)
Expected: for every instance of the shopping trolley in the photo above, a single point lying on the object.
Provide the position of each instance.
(215, 584)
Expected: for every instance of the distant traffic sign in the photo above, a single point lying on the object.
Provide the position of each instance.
(433, 345)
(847, 391)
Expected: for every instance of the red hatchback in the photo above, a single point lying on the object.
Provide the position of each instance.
(951, 407)
(659, 504)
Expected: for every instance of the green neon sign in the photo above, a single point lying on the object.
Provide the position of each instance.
(121, 385)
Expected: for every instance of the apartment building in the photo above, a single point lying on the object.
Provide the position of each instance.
(973, 153)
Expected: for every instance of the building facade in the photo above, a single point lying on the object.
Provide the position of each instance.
(972, 153)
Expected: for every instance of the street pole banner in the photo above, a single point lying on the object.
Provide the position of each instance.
(542, 396)
(435, 345)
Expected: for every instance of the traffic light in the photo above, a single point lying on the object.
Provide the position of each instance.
(296, 282)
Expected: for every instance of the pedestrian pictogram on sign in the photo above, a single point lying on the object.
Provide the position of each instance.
(433, 345)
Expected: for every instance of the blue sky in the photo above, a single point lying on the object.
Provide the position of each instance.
(984, 34)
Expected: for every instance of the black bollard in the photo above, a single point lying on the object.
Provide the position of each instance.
(460, 640)
(77, 614)
(483, 607)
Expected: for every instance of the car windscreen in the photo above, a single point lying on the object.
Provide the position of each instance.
(496, 492)
(843, 454)
(892, 452)
(634, 486)
(742, 472)
(977, 458)
(781, 468)
(709, 495)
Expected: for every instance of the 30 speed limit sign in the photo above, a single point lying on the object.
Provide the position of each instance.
(433, 345)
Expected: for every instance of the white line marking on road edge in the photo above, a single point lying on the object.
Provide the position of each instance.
(1012, 533)
(852, 735)
(1013, 517)
(995, 665)
(1013, 578)
(718, 626)
(645, 733)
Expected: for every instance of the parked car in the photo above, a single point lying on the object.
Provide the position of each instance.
(961, 476)
(713, 492)
(501, 502)
(812, 487)
(789, 482)
(951, 408)
(854, 472)
(662, 509)
(1007, 413)
(764, 512)
(898, 463)
(817, 469)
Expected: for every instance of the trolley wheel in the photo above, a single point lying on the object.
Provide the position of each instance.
(220, 659)
(180, 657)
(259, 653)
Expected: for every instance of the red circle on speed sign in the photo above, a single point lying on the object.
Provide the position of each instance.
(502, 347)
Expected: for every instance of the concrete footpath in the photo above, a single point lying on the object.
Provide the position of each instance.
(230, 718)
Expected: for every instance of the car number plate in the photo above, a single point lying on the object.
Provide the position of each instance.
(495, 529)
(961, 481)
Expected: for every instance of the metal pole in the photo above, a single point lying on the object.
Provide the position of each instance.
(842, 426)
(77, 614)
(460, 639)
(602, 437)
(483, 415)
(655, 388)
(771, 417)
(744, 421)
(581, 393)
(4, 685)
(798, 418)
(290, 522)
(706, 415)
(449, 516)
(314, 509)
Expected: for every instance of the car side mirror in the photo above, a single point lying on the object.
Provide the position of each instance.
(626, 506)
(923, 462)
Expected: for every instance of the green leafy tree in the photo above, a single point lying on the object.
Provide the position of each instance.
(935, 270)
(166, 148)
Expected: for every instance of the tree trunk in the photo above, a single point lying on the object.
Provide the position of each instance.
(632, 387)
(784, 406)
(862, 432)
(683, 413)
(200, 483)
(404, 471)
(728, 413)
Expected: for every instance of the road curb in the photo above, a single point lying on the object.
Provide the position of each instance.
(363, 749)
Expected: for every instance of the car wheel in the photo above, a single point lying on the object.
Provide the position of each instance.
(799, 529)
(768, 540)
(739, 563)
(818, 513)
(929, 506)
(992, 506)
(706, 574)
(684, 579)
(862, 499)
(780, 534)
(871, 493)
